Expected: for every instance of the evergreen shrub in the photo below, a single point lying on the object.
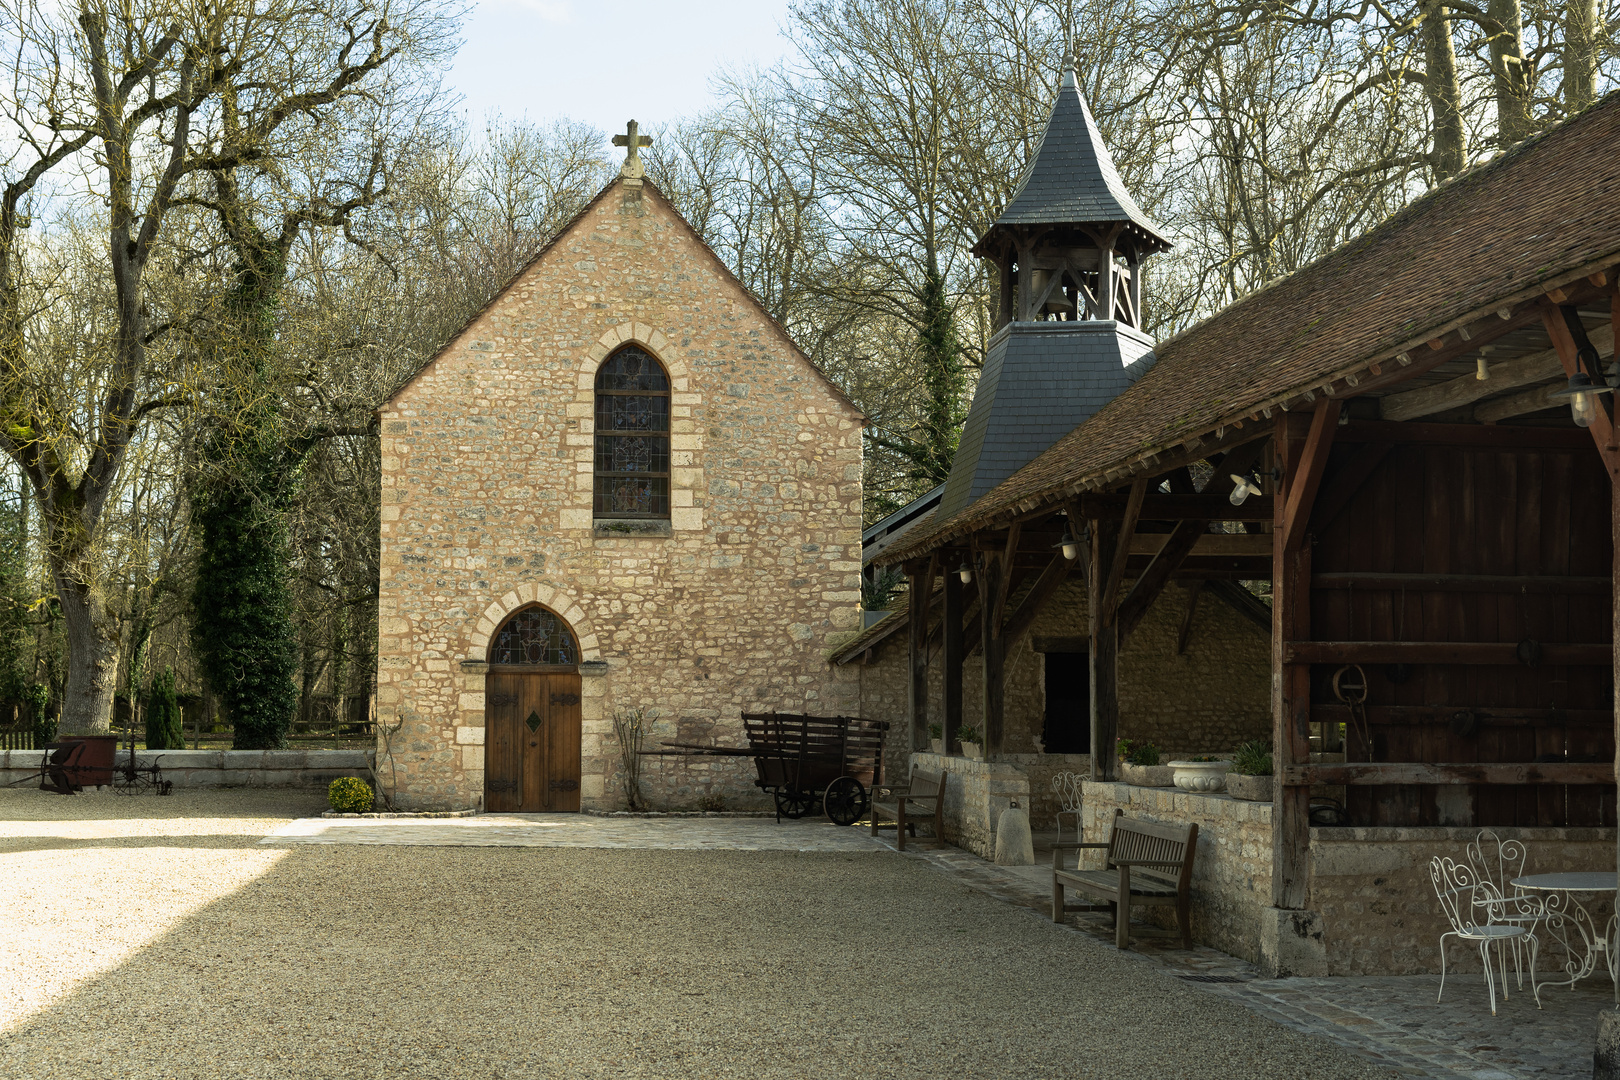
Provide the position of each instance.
(350, 795)
(165, 720)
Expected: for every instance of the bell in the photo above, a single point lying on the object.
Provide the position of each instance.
(1057, 302)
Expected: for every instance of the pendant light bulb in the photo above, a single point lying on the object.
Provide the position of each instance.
(966, 572)
(1242, 488)
(1070, 546)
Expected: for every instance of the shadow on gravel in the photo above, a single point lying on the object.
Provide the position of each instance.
(221, 841)
(540, 962)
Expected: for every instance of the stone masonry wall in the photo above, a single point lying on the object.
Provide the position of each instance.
(1209, 699)
(487, 458)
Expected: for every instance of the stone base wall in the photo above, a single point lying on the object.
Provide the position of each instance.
(1043, 802)
(976, 792)
(1370, 887)
(1378, 905)
(224, 768)
(1231, 873)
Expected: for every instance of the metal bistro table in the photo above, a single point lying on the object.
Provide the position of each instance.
(1565, 913)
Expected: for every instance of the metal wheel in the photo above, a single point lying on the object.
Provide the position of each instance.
(846, 801)
(794, 804)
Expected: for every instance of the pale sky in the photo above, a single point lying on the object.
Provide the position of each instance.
(603, 63)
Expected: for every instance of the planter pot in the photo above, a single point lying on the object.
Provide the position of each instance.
(1200, 775)
(1146, 775)
(936, 746)
(972, 751)
(1252, 788)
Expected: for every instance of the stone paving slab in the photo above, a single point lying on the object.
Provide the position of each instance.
(575, 830)
(1394, 1021)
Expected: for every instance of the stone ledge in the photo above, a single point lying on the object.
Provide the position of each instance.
(1459, 834)
(406, 814)
(631, 529)
(679, 813)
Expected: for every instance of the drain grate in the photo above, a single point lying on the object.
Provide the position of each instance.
(1209, 978)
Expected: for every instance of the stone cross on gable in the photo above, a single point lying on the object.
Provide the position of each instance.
(632, 140)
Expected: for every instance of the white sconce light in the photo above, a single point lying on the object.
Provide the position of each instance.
(1242, 488)
(1070, 546)
(966, 572)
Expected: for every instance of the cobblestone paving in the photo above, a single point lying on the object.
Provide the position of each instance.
(1393, 1021)
(580, 831)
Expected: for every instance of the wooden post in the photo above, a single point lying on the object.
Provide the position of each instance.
(994, 653)
(954, 610)
(1302, 445)
(917, 616)
(1104, 653)
(1004, 314)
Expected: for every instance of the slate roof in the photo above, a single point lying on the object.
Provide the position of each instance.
(1071, 177)
(1543, 214)
(1040, 379)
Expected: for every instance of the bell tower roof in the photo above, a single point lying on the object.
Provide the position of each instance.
(1071, 178)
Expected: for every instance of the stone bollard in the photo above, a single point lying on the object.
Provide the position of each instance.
(1015, 846)
(1606, 1057)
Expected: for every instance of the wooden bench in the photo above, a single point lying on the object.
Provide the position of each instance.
(1149, 865)
(926, 793)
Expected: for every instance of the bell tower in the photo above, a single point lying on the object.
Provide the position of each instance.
(1069, 250)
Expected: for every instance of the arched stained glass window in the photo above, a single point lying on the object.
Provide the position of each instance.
(534, 636)
(632, 436)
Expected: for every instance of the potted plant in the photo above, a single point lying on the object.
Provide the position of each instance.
(1206, 773)
(1139, 764)
(936, 741)
(1250, 777)
(968, 736)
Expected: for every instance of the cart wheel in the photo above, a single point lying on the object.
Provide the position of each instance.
(846, 801)
(793, 804)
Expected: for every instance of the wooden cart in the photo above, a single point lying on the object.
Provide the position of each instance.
(805, 761)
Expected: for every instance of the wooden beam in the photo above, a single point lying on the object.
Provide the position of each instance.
(1194, 591)
(1535, 400)
(1109, 598)
(1503, 653)
(1105, 542)
(1602, 428)
(1349, 480)
(917, 652)
(998, 602)
(1160, 507)
(1455, 393)
(1411, 434)
(1291, 683)
(1207, 544)
(1243, 602)
(1410, 716)
(1306, 476)
(993, 655)
(955, 607)
(1554, 772)
(1473, 583)
(1055, 574)
(1153, 580)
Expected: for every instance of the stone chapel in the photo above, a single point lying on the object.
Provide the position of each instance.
(620, 486)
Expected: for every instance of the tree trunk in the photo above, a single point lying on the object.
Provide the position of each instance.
(1508, 73)
(92, 660)
(1445, 94)
(1581, 46)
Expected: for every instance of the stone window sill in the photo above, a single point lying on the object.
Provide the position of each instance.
(631, 528)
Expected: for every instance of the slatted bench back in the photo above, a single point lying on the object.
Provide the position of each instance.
(1134, 839)
(924, 783)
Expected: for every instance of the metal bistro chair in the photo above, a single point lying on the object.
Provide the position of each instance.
(1462, 894)
(1066, 785)
(1496, 862)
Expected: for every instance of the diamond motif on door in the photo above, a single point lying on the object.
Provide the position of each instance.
(533, 721)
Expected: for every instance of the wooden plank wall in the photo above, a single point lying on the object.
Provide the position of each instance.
(1447, 503)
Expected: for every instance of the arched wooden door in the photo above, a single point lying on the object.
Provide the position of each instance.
(532, 717)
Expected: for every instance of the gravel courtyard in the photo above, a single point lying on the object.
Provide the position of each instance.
(151, 937)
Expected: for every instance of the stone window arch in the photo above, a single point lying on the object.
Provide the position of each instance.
(535, 636)
(632, 436)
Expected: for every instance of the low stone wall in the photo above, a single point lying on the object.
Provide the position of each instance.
(224, 768)
(1369, 889)
(1377, 902)
(1232, 872)
(1040, 768)
(976, 792)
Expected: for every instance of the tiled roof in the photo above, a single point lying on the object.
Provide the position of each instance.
(1071, 177)
(1544, 213)
(1040, 379)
